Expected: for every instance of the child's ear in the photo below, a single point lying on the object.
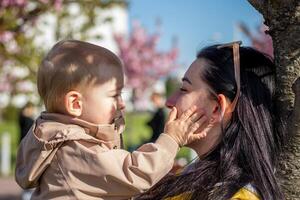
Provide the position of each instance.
(219, 110)
(73, 103)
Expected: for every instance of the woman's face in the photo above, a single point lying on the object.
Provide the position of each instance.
(194, 91)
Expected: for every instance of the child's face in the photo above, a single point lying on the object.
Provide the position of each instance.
(102, 101)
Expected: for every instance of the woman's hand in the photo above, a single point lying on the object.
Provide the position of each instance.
(185, 129)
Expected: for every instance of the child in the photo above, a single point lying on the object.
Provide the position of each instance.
(73, 150)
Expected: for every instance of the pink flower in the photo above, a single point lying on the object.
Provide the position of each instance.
(6, 36)
(13, 3)
(144, 64)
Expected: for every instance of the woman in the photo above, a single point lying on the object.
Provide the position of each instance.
(235, 87)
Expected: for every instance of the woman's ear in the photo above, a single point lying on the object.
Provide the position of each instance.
(73, 103)
(219, 110)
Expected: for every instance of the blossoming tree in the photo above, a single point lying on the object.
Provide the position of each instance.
(262, 41)
(20, 24)
(144, 62)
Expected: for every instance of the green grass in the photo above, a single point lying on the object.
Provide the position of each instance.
(11, 127)
(137, 133)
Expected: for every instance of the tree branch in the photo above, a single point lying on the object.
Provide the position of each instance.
(258, 5)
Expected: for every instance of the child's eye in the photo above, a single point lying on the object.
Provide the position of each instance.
(183, 90)
(117, 95)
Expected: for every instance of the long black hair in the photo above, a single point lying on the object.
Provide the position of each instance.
(250, 142)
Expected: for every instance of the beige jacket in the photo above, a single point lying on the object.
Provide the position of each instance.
(64, 158)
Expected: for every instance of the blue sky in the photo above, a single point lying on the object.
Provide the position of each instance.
(196, 23)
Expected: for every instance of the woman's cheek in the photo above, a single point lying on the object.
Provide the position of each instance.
(203, 106)
(179, 109)
(183, 105)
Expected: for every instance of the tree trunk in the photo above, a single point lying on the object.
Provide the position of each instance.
(283, 19)
(289, 170)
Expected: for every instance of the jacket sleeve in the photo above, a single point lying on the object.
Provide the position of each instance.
(116, 173)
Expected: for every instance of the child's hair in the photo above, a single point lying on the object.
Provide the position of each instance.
(73, 65)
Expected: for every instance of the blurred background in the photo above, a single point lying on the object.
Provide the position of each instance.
(157, 41)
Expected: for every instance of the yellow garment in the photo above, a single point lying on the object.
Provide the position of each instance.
(242, 194)
(185, 196)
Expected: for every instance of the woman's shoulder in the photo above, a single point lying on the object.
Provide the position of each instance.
(248, 192)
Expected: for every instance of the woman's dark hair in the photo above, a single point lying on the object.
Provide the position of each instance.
(248, 150)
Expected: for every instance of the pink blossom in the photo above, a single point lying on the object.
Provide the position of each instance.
(25, 86)
(144, 64)
(11, 3)
(6, 36)
(261, 40)
(58, 5)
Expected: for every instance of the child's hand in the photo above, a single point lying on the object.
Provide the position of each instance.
(183, 128)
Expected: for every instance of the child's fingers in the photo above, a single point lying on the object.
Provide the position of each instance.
(186, 114)
(197, 136)
(207, 128)
(196, 126)
(201, 120)
(196, 116)
(172, 115)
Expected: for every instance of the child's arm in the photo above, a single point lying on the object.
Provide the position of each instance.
(123, 174)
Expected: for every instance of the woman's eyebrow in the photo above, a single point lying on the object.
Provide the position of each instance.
(187, 80)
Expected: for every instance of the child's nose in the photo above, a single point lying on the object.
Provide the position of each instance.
(121, 103)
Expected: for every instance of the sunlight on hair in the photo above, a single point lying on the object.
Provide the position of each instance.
(90, 59)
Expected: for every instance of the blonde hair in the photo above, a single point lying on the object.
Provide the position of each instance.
(73, 65)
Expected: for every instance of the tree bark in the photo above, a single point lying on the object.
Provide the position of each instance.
(283, 20)
(289, 171)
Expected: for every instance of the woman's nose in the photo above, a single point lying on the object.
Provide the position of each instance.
(171, 101)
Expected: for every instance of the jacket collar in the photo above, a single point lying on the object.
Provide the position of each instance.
(104, 132)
